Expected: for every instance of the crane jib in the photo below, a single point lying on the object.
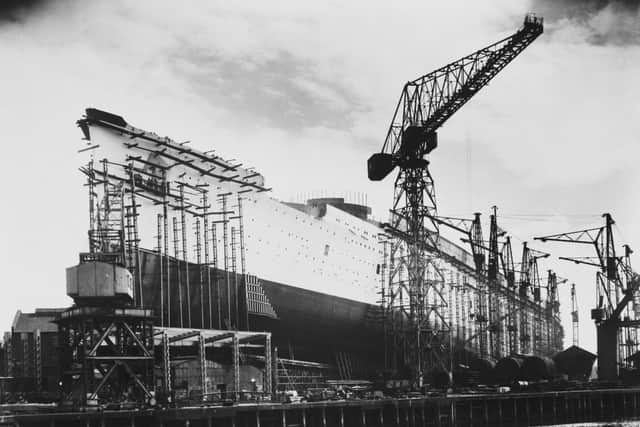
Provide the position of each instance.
(428, 102)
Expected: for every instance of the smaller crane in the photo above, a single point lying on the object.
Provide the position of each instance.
(574, 315)
(552, 312)
(618, 287)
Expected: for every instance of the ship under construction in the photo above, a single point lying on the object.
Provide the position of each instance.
(198, 285)
(207, 247)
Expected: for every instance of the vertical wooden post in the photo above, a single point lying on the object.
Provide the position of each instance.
(414, 415)
(202, 359)
(601, 406)
(274, 372)
(486, 412)
(236, 366)
(268, 367)
(453, 412)
(166, 364)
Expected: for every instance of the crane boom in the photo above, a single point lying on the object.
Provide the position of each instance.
(429, 101)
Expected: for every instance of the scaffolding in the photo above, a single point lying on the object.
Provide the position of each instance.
(160, 239)
(234, 275)
(176, 254)
(215, 278)
(204, 199)
(132, 239)
(225, 257)
(202, 346)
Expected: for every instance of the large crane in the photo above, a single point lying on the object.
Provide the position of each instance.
(415, 292)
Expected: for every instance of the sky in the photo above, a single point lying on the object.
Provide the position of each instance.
(304, 92)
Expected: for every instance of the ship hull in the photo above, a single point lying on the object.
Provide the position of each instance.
(307, 325)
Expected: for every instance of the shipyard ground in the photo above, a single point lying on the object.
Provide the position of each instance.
(509, 409)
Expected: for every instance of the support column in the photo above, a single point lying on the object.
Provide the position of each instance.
(166, 364)
(37, 344)
(268, 367)
(236, 366)
(203, 366)
(607, 351)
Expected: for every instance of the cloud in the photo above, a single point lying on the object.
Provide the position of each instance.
(20, 10)
(281, 90)
(598, 22)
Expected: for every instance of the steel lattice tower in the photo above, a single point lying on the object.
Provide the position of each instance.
(414, 302)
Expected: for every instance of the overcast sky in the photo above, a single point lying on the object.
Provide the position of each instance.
(304, 92)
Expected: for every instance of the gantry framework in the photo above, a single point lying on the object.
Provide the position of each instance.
(107, 354)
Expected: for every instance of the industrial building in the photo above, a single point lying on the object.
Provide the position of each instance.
(31, 351)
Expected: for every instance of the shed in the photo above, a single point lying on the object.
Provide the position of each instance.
(576, 362)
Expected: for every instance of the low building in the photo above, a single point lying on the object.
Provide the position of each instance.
(31, 351)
